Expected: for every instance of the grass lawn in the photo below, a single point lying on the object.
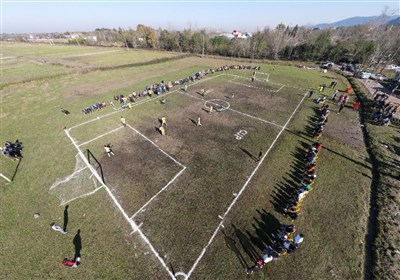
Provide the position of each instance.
(189, 177)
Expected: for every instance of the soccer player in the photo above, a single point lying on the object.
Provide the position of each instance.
(211, 108)
(198, 121)
(65, 111)
(108, 150)
(163, 121)
(123, 121)
(162, 130)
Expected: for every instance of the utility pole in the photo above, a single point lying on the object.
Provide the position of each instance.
(203, 46)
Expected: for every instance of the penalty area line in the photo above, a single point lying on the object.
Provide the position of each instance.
(253, 117)
(241, 191)
(131, 223)
(98, 137)
(160, 191)
(165, 153)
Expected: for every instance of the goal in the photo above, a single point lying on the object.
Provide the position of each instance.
(263, 77)
(96, 164)
(81, 182)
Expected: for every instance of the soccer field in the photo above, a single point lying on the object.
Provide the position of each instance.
(161, 184)
(195, 203)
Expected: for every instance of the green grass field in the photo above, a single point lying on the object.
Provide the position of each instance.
(177, 187)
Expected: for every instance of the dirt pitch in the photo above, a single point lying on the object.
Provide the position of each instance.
(176, 186)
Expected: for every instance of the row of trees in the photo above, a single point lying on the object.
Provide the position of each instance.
(366, 44)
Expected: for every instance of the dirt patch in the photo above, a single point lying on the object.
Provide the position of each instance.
(344, 128)
(137, 171)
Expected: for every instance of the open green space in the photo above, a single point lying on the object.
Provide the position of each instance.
(180, 223)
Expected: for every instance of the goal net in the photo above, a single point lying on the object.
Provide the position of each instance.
(82, 182)
(263, 77)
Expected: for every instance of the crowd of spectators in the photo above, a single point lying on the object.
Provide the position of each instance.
(384, 110)
(12, 150)
(285, 241)
(94, 107)
(162, 87)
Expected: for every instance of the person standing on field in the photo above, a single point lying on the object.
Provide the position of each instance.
(123, 121)
(341, 107)
(334, 95)
(260, 154)
(198, 121)
(58, 228)
(163, 121)
(162, 130)
(211, 109)
(108, 150)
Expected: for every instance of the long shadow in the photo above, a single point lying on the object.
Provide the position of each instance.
(231, 244)
(193, 121)
(172, 269)
(332, 151)
(284, 191)
(269, 224)
(65, 218)
(249, 154)
(256, 241)
(78, 244)
(16, 169)
(246, 244)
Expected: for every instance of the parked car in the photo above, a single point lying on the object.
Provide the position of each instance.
(327, 65)
(349, 67)
(392, 66)
(377, 77)
(363, 75)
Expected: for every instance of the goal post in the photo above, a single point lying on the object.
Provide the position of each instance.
(260, 76)
(96, 164)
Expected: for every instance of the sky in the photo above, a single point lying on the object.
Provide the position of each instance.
(18, 16)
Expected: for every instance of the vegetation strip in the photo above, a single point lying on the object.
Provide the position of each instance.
(376, 239)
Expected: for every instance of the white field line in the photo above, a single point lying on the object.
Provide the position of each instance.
(95, 119)
(136, 229)
(253, 117)
(104, 134)
(165, 153)
(230, 109)
(249, 86)
(160, 191)
(132, 223)
(5, 177)
(241, 191)
(181, 274)
(280, 88)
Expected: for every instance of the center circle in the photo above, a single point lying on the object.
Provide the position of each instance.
(218, 104)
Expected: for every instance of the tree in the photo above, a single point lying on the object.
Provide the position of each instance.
(184, 40)
(321, 45)
(147, 37)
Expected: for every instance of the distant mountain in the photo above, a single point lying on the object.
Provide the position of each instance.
(395, 21)
(354, 21)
